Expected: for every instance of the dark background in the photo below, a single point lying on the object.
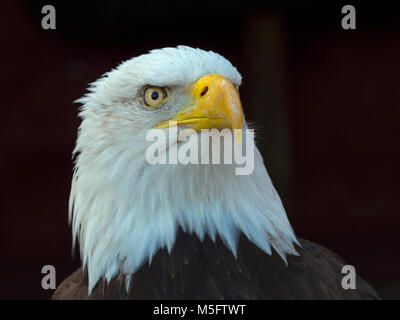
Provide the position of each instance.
(325, 100)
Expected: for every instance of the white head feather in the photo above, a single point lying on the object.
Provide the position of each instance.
(123, 209)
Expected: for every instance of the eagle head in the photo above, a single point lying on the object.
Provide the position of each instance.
(123, 209)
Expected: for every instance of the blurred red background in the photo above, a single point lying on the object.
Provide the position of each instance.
(326, 101)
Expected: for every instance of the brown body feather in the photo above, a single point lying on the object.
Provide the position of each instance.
(208, 270)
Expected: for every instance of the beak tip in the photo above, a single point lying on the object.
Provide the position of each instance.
(237, 135)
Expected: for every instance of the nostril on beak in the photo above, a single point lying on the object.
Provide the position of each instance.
(204, 91)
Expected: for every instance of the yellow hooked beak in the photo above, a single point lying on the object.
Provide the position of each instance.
(215, 103)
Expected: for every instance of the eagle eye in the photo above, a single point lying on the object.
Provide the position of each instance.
(154, 96)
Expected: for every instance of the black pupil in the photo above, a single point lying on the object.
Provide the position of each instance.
(155, 95)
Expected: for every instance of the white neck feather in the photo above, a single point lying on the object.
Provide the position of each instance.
(123, 210)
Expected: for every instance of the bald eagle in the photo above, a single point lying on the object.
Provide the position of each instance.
(182, 231)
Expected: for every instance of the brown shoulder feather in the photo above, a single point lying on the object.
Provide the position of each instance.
(208, 270)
